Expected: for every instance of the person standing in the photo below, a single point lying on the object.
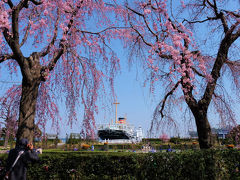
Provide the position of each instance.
(26, 154)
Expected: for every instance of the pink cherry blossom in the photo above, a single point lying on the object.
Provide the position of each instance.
(147, 11)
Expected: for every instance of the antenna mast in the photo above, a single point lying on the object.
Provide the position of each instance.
(116, 103)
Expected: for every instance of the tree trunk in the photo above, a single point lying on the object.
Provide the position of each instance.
(203, 129)
(31, 71)
(6, 138)
(27, 110)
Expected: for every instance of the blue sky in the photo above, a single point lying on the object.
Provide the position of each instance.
(136, 102)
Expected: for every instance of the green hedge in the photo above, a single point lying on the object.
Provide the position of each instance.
(200, 164)
(172, 139)
(119, 147)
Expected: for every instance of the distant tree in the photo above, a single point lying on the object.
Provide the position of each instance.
(51, 44)
(9, 115)
(164, 137)
(233, 137)
(188, 48)
(9, 110)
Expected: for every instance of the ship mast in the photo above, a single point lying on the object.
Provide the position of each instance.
(116, 103)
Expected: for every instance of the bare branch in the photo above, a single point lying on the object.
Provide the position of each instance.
(154, 34)
(26, 33)
(139, 34)
(145, 42)
(15, 14)
(144, 18)
(13, 40)
(165, 99)
(197, 72)
(210, 3)
(225, 44)
(224, 22)
(219, 15)
(15, 26)
(232, 13)
(104, 30)
(7, 36)
(4, 57)
(10, 4)
(134, 11)
(201, 21)
(237, 34)
(233, 63)
(36, 2)
(165, 56)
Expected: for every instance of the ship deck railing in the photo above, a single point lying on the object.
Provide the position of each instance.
(115, 126)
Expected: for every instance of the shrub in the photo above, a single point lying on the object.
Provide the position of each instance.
(233, 137)
(199, 164)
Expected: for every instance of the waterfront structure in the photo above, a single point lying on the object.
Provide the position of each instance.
(119, 131)
(220, 132)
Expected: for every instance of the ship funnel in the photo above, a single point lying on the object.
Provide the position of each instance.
(122, 120)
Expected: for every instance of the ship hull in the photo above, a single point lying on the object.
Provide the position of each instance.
(112, 134)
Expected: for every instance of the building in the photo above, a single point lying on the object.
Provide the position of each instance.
(220, 132)
(139, 134)
(51, 136)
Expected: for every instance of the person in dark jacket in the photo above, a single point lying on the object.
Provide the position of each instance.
(19, 171)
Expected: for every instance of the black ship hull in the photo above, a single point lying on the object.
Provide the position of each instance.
(113, 134)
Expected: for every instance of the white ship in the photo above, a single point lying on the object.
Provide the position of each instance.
(120, 131)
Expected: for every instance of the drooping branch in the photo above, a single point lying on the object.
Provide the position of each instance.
(47, 49)
(139, 34)
(150, 30)
(158, 50)
(62, 46)
(145, 20)
(162, 104)
(224, 107)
